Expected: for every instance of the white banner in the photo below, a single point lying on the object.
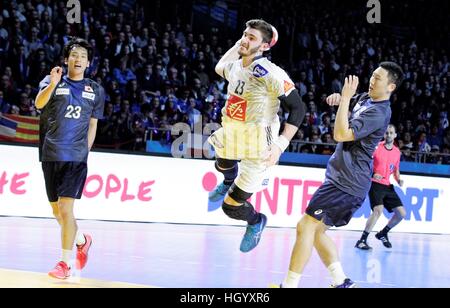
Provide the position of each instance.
(154, 189)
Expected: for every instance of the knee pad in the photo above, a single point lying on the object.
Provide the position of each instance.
(225, 164)
(242, 212)
(231, 169)
(238, 194)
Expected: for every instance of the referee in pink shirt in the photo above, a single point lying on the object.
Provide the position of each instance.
(386, 161)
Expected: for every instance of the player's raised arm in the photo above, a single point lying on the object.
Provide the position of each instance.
(230, 56)
(342, 132)
(45, 94)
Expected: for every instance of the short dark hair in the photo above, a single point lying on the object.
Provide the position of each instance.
(77, 42)
(392, 126)
(263, 26)
(395, 73)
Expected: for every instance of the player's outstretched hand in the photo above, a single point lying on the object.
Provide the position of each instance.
(334, 99)
(350, 86)
(55, 75)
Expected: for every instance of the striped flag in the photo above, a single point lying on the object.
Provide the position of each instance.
(19, 128)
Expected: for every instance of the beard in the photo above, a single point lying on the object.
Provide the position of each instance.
(249, 52)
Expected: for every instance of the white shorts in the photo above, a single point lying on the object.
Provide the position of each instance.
(253, 176)
(250, 145)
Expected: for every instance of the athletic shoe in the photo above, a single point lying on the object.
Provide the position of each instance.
(384, 239)
(82, 252)
(362, 245)
(61, 271)
(275, 286)
(219, 192)
(347, 284)
(253, 235)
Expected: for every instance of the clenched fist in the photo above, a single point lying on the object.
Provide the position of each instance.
(55, 75)
(334, 99)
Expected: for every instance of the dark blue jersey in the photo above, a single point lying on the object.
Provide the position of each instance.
(350, 167)
(64, 123)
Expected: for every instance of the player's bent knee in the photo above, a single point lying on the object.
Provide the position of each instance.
(301, 223)
(235, 204)
(238, 195)
(307, 223)
(65, 212)
(225, 164)
(241, 212)
(378, 210)
(55, 208)
(56, 214)
(401, 212)
(230, 201)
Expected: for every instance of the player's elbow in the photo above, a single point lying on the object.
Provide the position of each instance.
(219, 69)
(296, 107)
(337, 137)
(93, 123)
(39, 102)
(343, 136)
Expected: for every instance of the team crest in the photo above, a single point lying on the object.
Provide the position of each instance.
(88, 89)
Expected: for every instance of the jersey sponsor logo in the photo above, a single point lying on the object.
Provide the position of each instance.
(259, 71)
(288, 86)
(391, 167)
(265, 182)
(62, 84)
(88, 89)
(318, 212)
(87, 95)
(236, 108)
(62, 91)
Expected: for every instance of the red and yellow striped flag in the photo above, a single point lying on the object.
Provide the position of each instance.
(19, 128)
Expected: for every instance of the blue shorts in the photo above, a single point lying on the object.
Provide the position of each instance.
(332, 206)
(64, 179)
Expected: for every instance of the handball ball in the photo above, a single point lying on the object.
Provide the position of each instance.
(274, 37)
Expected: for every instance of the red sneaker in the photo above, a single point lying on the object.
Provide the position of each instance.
(82, 252)
(61, 271)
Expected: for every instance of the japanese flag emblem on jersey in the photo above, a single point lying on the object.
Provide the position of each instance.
(236, 108)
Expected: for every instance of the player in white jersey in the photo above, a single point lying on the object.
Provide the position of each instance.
(250, 132)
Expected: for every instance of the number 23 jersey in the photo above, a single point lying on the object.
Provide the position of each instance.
(64, 122)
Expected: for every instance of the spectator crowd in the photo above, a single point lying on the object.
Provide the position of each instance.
(157, 64)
